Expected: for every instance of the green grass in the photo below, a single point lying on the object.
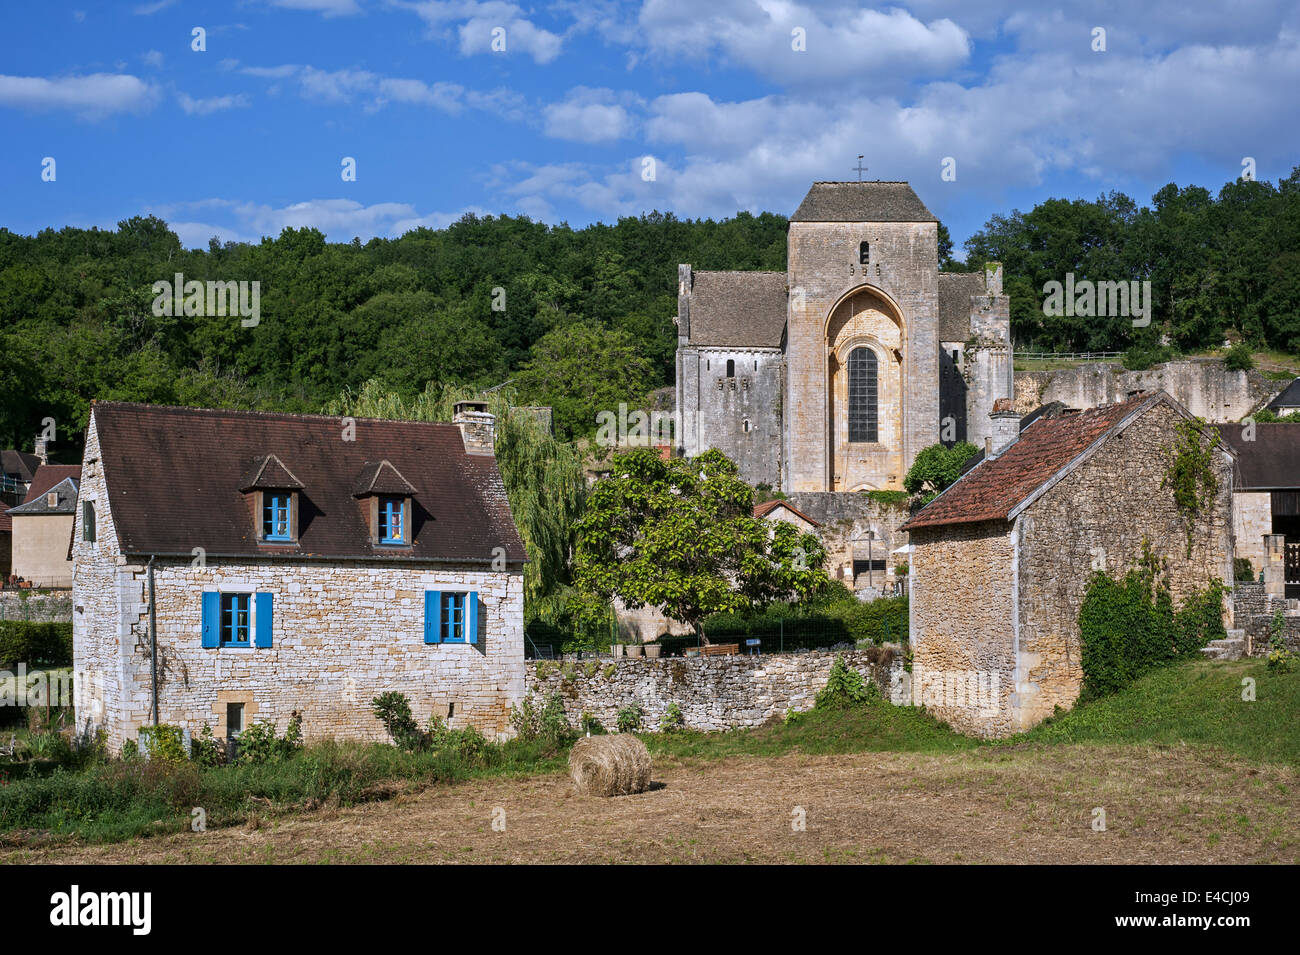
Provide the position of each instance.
(1196, 702)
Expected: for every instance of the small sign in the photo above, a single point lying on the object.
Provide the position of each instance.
(752, 643)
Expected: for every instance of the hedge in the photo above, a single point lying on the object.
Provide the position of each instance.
(35, 644)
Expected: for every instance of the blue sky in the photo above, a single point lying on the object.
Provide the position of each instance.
(248, 136)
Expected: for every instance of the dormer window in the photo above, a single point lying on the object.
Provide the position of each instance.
(276, 510)
(386, 500)
(274, 497)
(392, 520)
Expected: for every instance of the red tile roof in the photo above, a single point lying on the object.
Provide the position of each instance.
(767, 507)
(992, 489)
(174, 477)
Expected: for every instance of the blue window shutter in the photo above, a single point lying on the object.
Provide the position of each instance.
(264, 601)
(211, 619)
(433, 616)
(471, 617)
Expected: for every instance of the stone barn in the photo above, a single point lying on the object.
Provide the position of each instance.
(275, 563)
(1001, 559)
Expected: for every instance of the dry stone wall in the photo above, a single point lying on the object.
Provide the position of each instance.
(714, 693)
(52, 607)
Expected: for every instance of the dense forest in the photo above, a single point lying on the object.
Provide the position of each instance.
(578, 319)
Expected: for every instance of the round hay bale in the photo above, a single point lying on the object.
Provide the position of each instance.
(610, 765)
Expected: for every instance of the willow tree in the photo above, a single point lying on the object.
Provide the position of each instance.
(542, 476)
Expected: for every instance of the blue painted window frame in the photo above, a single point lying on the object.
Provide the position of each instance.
(453, 616)
(236, 619)
(276, 509)
(392, 509)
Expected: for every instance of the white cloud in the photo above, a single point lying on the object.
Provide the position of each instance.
(213, 104)
(153, 58)
(475, 21)
(340, 219)
(149, 9)
(94, 95)
(328, 8)
(587, 116)
(843, 43)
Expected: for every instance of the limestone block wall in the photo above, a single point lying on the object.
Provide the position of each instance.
(845, 520)
(741, 415)
(1204, 386)
(962, 610)
(1099, 515)
(1252, 518)
(823, 268)
(1253, 611)
(714, 693)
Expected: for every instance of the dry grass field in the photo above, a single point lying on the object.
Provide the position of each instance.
(1028, 803)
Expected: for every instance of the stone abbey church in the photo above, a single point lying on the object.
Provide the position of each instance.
(831, 376)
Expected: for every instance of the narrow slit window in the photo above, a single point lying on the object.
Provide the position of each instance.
(864, 253)
(731, 368)
(87, 521)
(863, 395)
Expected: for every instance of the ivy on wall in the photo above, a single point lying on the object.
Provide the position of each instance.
(1129, 626)
(1191, 472)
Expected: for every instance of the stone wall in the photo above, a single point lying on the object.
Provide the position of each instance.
(714, 693)
(52, 607)
(1252, 519)
(342, 632)
(962, 606)
(845, 519)
(741, 415)
(1253, 611)
(1099, 516)
(1204, 386)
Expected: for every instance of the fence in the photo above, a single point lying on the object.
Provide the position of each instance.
(1066, 355)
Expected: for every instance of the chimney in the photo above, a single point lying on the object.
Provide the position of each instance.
(40, 450)
(477, 426)
(1006, 427)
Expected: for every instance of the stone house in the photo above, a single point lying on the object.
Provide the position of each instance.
(1266, 495)
(1288, 401)
(42, 527)
(295, 563)
(784, 511)
(1001, 560)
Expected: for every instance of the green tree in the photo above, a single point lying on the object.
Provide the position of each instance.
(679, 535)
(935, 468)
(581, 370)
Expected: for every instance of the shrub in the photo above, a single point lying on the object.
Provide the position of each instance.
(258, 744)
(844, 688)
(630, 718)
(589, 725)
(672, 720)
(1280, 659)
(1239, 358)
(164, 742)
(935, 468)
(1243, 570)
(888, 498)
(1142, 357)
(1129, 626)
(205, 750)
(36, 644)
(393, 709)
(549, 723)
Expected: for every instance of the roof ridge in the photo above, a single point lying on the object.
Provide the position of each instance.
(253, 413)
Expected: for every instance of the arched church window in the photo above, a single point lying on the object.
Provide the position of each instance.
(864, 253)
(863, 395)
(731, 368)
